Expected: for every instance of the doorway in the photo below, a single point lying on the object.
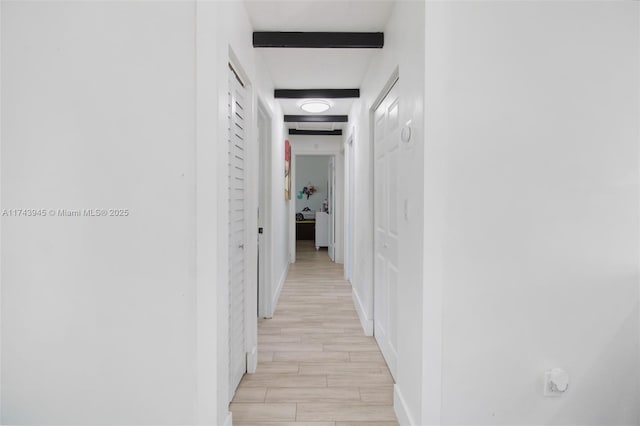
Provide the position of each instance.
(332, 149)
(314, 206)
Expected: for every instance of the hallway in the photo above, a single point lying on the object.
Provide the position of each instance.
(315, 365)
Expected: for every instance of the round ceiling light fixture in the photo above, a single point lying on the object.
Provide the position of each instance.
(315, 106)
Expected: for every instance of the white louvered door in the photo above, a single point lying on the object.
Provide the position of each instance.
(237, 192)
(386, 148)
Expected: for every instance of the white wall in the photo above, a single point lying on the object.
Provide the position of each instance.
(532, 107)
(281, 228)
(312, 170)
(98, 313)
(404, 50)
(122, 105)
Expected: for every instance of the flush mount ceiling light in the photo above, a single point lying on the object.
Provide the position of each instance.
(315, 106)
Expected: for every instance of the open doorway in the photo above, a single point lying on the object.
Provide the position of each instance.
(314, 210)
(319, 215)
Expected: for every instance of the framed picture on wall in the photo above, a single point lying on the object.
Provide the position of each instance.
(287, 170)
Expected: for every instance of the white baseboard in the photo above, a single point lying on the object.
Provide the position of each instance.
(276, 295)
(229, 420)
(252, 360)
(367, 324)
(401, 409)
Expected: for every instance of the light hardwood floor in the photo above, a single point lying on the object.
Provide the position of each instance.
(316, 367)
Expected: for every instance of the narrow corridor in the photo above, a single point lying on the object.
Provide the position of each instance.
(315, 365)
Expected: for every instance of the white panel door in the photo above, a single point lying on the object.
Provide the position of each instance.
(237, 192)
(386, 148)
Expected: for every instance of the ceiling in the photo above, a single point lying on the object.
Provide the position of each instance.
(318, 68)
(319, 15)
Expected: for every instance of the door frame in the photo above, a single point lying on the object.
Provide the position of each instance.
(318, 150)
(250, 219)
(395, 76)
(391, 82)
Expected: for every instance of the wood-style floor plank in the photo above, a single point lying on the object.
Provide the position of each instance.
(299, 394)
(283, 381)
(381, 394)
(345, 412)
(263, 412)
(360, 380)
(286, 424)
(315, 365)
(311, 356)
(335, 368)
(366, 424)
(246, 394)
(278, 367)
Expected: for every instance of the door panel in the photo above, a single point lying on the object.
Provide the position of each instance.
(386, 151)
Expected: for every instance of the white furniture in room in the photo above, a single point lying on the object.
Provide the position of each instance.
(322, 230)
